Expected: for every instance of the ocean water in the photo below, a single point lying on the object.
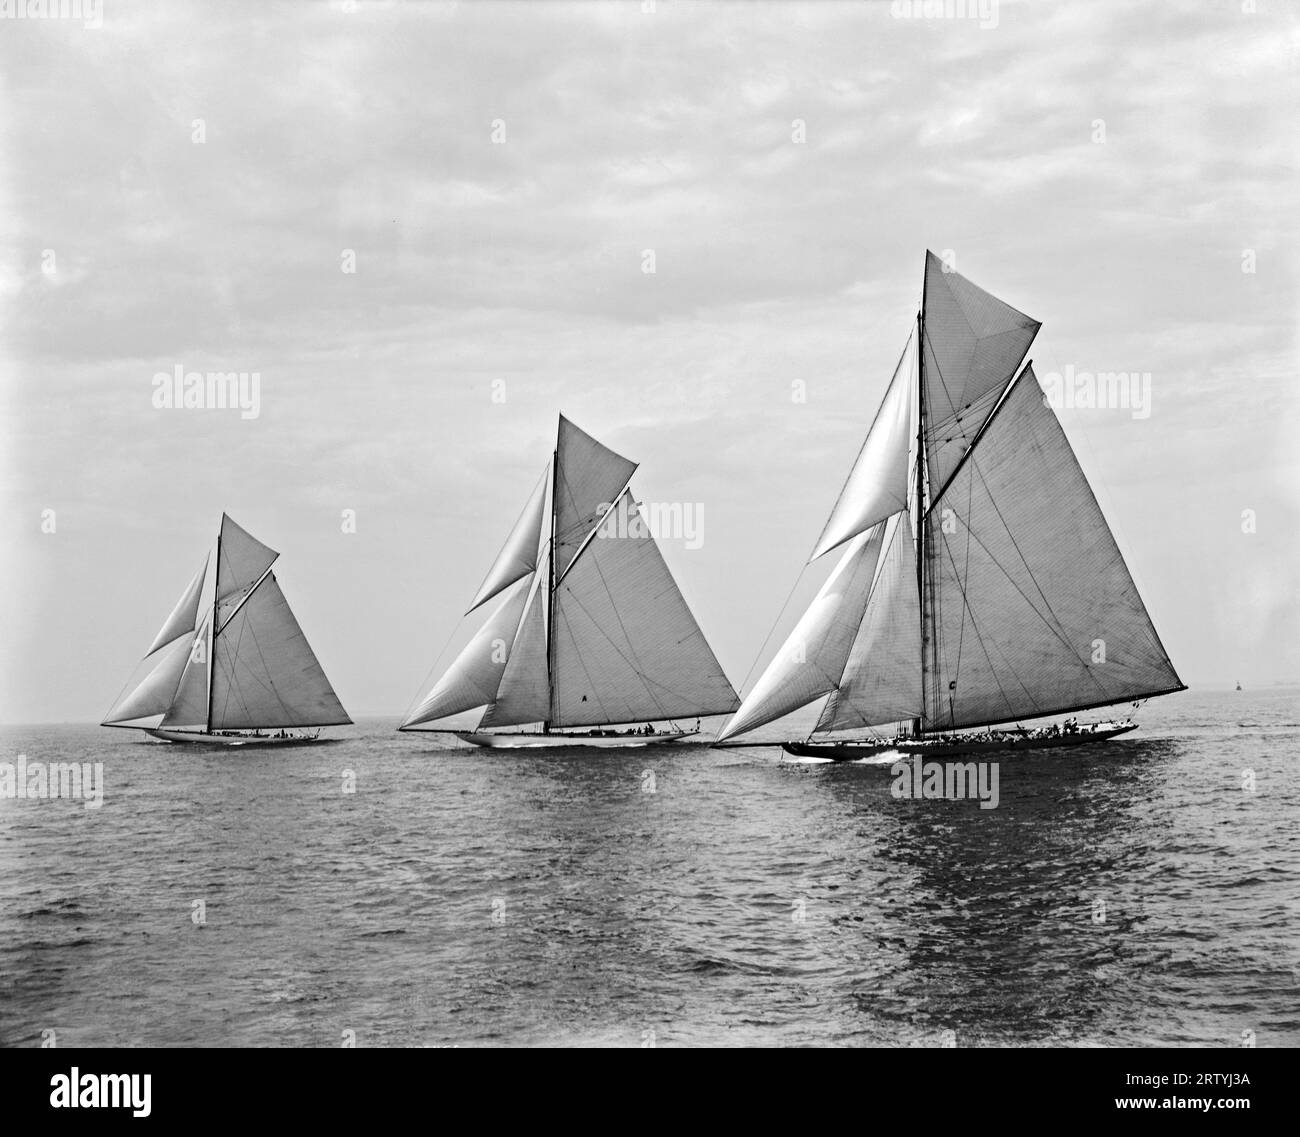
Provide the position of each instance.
(1130, 894)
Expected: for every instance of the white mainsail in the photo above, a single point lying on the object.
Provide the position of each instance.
(241, 661)
(264, 672)
(601, 634)
(1034, 611)
(1001, 593)
(626, 646)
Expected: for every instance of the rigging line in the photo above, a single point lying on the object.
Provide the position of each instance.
(246, 626)
(583, 664)
(1116, 530)
(879, 410)
(424, 685)
(979, 639)
(965, 579)
(925, 333)
(637, 666)
(269, 685)
(644, 679)
(599, 518)
(767, 639)
(1058, 629)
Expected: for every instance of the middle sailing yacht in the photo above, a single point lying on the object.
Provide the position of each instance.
(591, 630)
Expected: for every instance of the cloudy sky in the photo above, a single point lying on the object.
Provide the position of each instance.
(179, 186)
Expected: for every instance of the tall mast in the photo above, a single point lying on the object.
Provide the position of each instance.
(917, 723)
(212, 637)
(550, 596)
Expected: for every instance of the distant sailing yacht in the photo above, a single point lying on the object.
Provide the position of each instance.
(231, 662)
(980, 583)
(592, 630)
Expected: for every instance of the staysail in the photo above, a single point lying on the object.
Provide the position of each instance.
(475, 675)
(811, 662)
(237, 659)
(601, 634)
(1001, 593)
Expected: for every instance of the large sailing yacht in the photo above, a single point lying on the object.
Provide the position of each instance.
(980, 583)
(231, 666)
(591, 631)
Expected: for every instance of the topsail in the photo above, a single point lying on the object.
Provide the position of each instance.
(981, 583)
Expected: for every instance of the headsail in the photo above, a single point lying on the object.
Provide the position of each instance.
(882, 678)
(877, 485)
(518, 557)
(184, 617)
(524, 695)
(475, 675)
(154, 693)
(811, 661)
(189, 705)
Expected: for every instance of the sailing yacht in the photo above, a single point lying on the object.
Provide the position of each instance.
(590, 630)
(231, 666)
(979, 583)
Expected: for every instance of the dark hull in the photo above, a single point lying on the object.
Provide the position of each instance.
(940, 747)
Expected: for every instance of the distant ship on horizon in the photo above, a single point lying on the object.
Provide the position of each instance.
(980, 583)
(592, 630)
(231, 666)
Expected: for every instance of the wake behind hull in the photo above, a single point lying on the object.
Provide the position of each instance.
(206, 739)
(538, 741)
(947, 748)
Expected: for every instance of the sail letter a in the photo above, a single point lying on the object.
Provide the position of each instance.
(518, 557)
(877, 484)
(524, 694)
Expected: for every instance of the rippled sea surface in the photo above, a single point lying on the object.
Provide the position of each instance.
(1134, 893)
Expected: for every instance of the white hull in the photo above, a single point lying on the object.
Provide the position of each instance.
(207, 739)
(537, 741)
